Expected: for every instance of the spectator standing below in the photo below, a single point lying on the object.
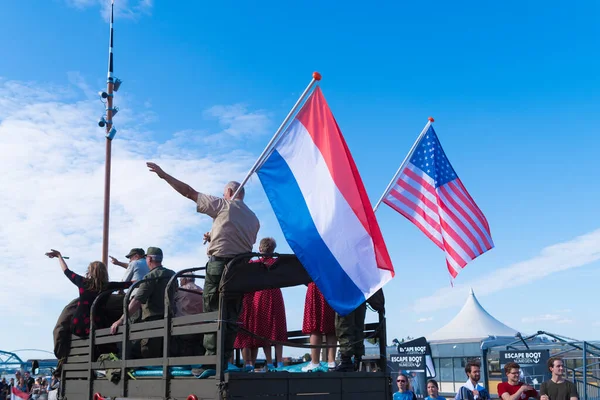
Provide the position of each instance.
(472, 390)
(3, 388)
(557, 388)
(233, 232)
(404, 392)
(136, 269)
(319, 320)
(36, 388)
(21, 385)
(55, 382)
(513, 389)
(90, 286)
(44, 390)
(29, 381)
(150, 298)
(433, 390)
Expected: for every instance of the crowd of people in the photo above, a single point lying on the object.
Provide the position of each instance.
(26, 386)
(262, 314)
(234, 231)
(556, 388)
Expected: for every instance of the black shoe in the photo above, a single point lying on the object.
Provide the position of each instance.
(357, 361)
(345, 366)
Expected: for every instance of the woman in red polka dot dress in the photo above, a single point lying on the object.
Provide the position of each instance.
(269, 321)
(90, 286)
(319, 321)
(263, 314)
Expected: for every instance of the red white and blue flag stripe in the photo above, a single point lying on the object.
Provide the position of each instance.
(325, 214)
(429, 193)
(16, 394)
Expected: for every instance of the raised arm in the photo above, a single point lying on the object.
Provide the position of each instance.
(117, 262)
(183, 188)
(54, 254)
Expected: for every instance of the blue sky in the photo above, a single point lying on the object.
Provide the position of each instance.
(513, 86)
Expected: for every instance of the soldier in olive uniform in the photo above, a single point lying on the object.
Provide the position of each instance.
(150, 297)
(350, 332)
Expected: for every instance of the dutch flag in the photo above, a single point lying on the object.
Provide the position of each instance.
(325, 214)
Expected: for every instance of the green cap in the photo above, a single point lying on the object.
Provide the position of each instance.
(135, 251)
(154, 251)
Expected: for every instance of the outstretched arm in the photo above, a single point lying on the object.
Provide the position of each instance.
(55, 253)
(183, 188)
(117, 262)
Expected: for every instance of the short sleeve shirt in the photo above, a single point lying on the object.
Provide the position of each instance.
(136, 270)
(152, 293)
(234, 227)
(505, 387)
(408, 395)
(559, 391)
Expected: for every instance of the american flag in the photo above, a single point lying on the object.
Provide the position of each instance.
(429, 193)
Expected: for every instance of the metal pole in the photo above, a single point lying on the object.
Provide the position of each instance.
(109, 125)
(316, 77)
(585, 388)
(410, 153)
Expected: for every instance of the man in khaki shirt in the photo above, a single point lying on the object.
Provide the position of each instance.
(234, 231)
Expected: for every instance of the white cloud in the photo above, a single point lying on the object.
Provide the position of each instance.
(425, 319)
(131, 9)
(574, 253)
(238, 122)
(539, 318)
(53, 176)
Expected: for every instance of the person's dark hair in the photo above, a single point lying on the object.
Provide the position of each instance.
(511, 365)
(551, 361)
(434, 382)
(471, 364)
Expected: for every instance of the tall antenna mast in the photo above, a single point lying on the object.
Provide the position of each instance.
(112, 85)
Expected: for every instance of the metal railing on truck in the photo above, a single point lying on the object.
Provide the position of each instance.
(79, 372)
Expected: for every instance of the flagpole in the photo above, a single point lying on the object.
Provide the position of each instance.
(410, 153)
(110, 132)
(316, 78)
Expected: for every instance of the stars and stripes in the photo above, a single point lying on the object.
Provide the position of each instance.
(429, 193)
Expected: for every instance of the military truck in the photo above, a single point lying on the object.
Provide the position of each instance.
(169, 377)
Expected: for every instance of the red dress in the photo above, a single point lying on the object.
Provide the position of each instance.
(269, 320)
(319, 317)
(243, 340)
(263, 314)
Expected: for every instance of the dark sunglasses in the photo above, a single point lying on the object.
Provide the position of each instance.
(400, 380)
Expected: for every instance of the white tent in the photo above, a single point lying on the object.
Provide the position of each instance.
(472, 323)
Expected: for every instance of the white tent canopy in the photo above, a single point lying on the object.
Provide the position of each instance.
(473, 322)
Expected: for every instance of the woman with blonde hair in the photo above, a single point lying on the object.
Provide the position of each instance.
(404, 392)
(90, 286)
